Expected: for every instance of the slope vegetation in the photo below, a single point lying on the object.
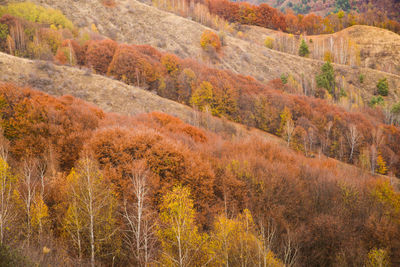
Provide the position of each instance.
(373, 47)
(110, 95)
(135, 22)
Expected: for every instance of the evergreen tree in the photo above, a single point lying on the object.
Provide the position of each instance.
(326, 79)
(383, 87)
(303, 50)
(342, 5)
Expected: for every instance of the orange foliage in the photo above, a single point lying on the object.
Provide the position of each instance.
(209, 40)
(36, 123)
(335, 212)
(132, 67)
(100, 54)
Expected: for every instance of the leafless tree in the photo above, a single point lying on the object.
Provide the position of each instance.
(290, 251)
(289, 130)
(374, 156)
(352, 136)
(27, 190)
(140, 232)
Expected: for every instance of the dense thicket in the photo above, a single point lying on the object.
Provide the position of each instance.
(247, 193)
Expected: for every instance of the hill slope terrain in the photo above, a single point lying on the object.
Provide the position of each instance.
(135, 22)
(99, 167)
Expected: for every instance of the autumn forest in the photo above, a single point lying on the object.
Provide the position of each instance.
(262, 174)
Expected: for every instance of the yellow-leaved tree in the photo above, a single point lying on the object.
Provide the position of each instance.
(203, 96)
(237, 243)
(7, 209)
(182, 244)
(90, 220)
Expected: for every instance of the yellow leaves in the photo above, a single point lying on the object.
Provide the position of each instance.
(39, 212)
(203, 96)
(382, 169)
(5, 174)
(269, 42)
(237, 242)
(286, 116)
(385, 194)
(46, 250)
(35, 13)
(210, 39)
(177, 204)
(328, 56)
(171, 63)
(349, 194)
(378, 258)
(94, 28)
(91, 209)
(72, 177)
(178, 233)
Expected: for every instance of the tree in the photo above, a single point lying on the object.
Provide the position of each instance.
(383, 87)
(39, 215)
(342, 5)
(352, 137)
(237, 243)
(382, 169)
(90, 219)
(182, 244)
(203, 96)
(210, 39)
(289, 130)
(3, 33)
(269, 42)
(7, 186)
(99, 55)
(140, 232)
(326, 79)
(303, 50)
(26, 193)
(378, 258)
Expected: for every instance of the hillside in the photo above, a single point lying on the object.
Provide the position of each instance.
(118, 153)
(390, 8)
(376, 48)
(111, 95)
(142, 24)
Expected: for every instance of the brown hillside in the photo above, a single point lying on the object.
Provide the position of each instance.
(378, 48)
(135, 22)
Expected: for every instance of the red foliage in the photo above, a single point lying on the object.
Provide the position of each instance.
(36, 123)
(133, 67)
(325, 206)
(99, 54)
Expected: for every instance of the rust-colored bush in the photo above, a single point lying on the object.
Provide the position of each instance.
(99, 55)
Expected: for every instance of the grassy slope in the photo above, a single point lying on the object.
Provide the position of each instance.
(135, 22)
(377, 46)
(108, 94)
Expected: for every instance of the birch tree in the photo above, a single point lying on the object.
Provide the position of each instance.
(7, 186)
(182, 244)
(352, 136)
(140, 232)
(90, 220)
(26, 193)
